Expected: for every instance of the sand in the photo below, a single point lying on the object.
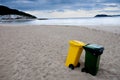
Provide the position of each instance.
(29, 52)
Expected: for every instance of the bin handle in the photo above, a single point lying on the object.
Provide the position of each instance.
(87, 44)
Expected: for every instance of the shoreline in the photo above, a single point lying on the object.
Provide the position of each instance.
(109, 28)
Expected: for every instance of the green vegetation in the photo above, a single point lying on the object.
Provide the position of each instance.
(104, 15)
(7, 11)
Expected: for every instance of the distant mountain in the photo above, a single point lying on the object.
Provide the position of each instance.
(104, 15)
(7, 11)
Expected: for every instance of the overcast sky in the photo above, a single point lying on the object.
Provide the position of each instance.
(65, 8)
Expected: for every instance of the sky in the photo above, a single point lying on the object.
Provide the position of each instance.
(65, 8)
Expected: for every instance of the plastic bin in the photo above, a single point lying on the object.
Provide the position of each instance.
(74, 53)
(92, 58)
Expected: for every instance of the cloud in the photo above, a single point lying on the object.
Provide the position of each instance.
(57, 4)
(111, 8)
(22, 2)
(64, 14)
(111, 5)
(64, 8)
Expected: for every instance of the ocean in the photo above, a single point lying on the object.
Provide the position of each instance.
(68, 21)
(111, 24)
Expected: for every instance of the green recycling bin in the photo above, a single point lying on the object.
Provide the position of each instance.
(92, 58)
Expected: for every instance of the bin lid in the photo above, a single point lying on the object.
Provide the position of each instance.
(94, 49)
(77, 43)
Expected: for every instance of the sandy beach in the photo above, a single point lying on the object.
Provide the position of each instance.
(34, 52)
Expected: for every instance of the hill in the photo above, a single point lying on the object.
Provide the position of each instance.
(104, 15)
(8, 11)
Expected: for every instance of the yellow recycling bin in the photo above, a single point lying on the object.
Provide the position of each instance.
(74, 53)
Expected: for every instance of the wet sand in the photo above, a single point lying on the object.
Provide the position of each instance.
(39, 52)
